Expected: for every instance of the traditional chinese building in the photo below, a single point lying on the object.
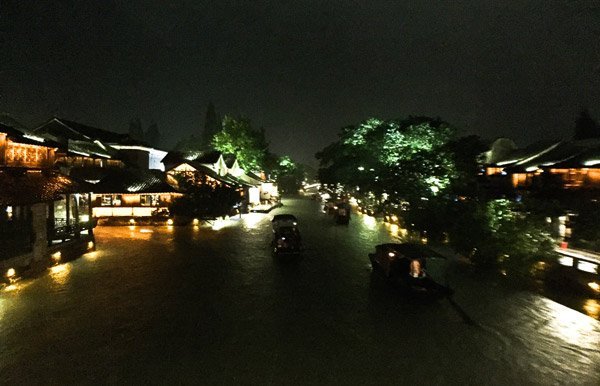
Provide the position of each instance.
(215, 169)
(133, 193)
(86, 146)
(550, 165)
(41, 210)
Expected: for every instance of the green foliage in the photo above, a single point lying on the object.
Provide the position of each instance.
(406, 143)
(286, 165)
(502, 234)
(464, 152)
(358, 135)
(289, 174)
(239, 138)
(408, 158)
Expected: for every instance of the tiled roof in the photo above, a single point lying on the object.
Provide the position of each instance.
(134, 181)
(65, 128)
(573, 154)
(20, 136)
(22, 187)
(531, 151)
(208, 158)
(91, 148)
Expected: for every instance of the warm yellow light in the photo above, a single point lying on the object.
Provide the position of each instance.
(60, 273)
(370, 222)
(253, 220)
(595, 286)
(146, 230)
(90, 245)
(131, 221)
(196, 221)
(56, 256)
(219, 224)
(11, 272)
(592, 308)
(170, 221)
(394, 218)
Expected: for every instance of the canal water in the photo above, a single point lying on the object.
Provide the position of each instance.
(210, 305)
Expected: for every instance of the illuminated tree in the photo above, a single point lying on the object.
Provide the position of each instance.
(502, 234)
(289, 174)
(247, 144)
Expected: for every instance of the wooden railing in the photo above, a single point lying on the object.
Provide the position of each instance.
(63, 231)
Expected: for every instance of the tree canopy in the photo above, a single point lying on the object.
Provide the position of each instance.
(409, 158)
(238, 137)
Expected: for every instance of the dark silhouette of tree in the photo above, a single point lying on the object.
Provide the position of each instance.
(135, 129)
(212, 125)
(153, 135)
(585, 126)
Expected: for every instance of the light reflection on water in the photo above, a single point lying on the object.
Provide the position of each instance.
(569, 325)
(60, 273)
(592, 308)
(396, 231)
(220, 224)
(18, 286)
(253, 220)
(370, 222)
(537, 340)
(93, 255)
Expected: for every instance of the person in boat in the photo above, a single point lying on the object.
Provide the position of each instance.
(416, 269)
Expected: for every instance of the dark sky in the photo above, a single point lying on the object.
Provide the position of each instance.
(303, 68)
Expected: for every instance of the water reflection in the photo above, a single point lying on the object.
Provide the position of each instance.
(220, 224)
(253, 220)
(16, 287)
(592, 308)
(370, 222)
(569, 325)
(396, 231)
(60, 273)
(92, 256)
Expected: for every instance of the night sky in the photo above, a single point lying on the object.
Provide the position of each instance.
(303, 69)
